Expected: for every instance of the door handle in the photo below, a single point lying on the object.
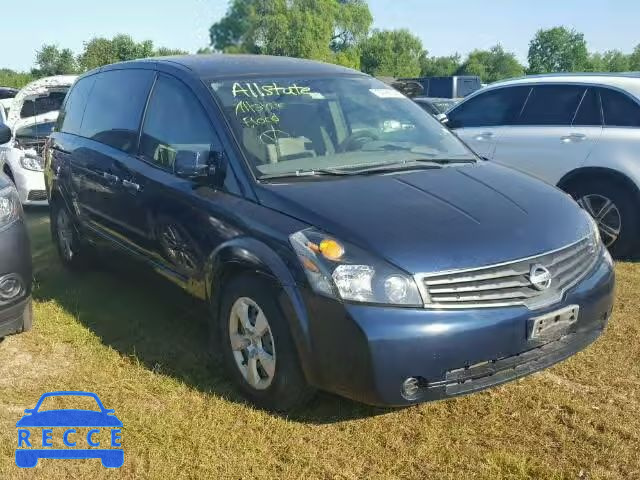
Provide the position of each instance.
(130, 185)
(573, 137)
(484, 136)
(109, 177)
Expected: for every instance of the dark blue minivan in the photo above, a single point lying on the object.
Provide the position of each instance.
(344, 239)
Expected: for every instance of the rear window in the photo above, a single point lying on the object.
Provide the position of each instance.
(619, 109)
(51, 102)
(114, 109)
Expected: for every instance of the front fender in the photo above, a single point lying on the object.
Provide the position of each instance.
(252, 255)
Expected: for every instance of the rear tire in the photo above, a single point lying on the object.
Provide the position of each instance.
(614, 207)
(263, 362)
(74, 253)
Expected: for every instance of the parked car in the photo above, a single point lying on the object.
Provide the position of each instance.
(15, 259)
(7, 92)
(31, 117)
(580, 132)
(343, 238)
(456, 86)
(435, 106)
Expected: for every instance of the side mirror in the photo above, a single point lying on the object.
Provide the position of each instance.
(199, 165)
(5, 133)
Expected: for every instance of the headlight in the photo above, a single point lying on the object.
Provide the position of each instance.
(595, 229)
(10, 207)
(343, 271)
(31, 161)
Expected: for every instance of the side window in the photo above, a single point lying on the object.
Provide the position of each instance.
(491, 108)
(588, 113)
(175, 124)
(115, 106)
(72, 112)
(619, 110)
(551, 105)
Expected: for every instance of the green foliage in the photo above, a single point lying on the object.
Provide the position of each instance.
(558, 49)
(11, 78)
(51, 60)
(634, 59)
(327, 30)
(392, 53)
(491, 65)
(103, 51)
(440, 66)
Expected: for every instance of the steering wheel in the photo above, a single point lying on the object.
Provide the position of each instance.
(356, 140)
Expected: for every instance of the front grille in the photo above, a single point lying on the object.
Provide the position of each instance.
(509, 283)
(37, 195)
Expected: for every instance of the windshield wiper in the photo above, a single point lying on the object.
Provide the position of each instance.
(305, 173)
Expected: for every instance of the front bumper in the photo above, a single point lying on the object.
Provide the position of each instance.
(16, 318)
(365, 352)
(15, 258)
(30, 186)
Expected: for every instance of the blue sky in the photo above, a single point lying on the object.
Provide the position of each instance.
(445, 27)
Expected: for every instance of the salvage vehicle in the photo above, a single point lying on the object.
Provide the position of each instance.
(344, 239)
(580, 132)
(31, 116)
(15, 259)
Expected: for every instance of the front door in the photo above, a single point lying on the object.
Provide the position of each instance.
(477, 120)
(177, 214)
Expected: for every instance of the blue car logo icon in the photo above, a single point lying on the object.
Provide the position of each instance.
(31, 447)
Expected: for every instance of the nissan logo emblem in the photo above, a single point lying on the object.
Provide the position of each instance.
(540, 277)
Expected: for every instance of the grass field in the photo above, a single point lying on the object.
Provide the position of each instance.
(141, 346)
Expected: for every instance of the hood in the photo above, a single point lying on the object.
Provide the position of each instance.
(436, 220)
(35, 89)
(38, 119)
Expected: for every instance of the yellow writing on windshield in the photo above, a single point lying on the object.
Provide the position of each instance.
(254, 90)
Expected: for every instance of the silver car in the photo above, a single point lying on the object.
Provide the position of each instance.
(580, 132)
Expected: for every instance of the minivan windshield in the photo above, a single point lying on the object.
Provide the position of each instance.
(343, 124)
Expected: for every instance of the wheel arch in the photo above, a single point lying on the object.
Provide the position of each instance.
(598, 173)
(246, 255)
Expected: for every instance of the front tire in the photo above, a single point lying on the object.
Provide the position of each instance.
(614, 208)
(258, 352)
(73, 252)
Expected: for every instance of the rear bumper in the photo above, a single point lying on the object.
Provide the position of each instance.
(365, 353)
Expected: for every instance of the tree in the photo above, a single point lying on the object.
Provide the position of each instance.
(204, 51)
(103, 51)
(392, 53)
(616, 61)
(491, 65)
(634, 59)
(50, 60)
(558, 50)
(440, 66)
(327, 30)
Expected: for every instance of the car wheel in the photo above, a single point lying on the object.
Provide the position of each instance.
(614, 209)
(258, 351)
(74, 253)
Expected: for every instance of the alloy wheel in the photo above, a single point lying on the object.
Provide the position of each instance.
(64, 231)
(606, 215)
(252, 343)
